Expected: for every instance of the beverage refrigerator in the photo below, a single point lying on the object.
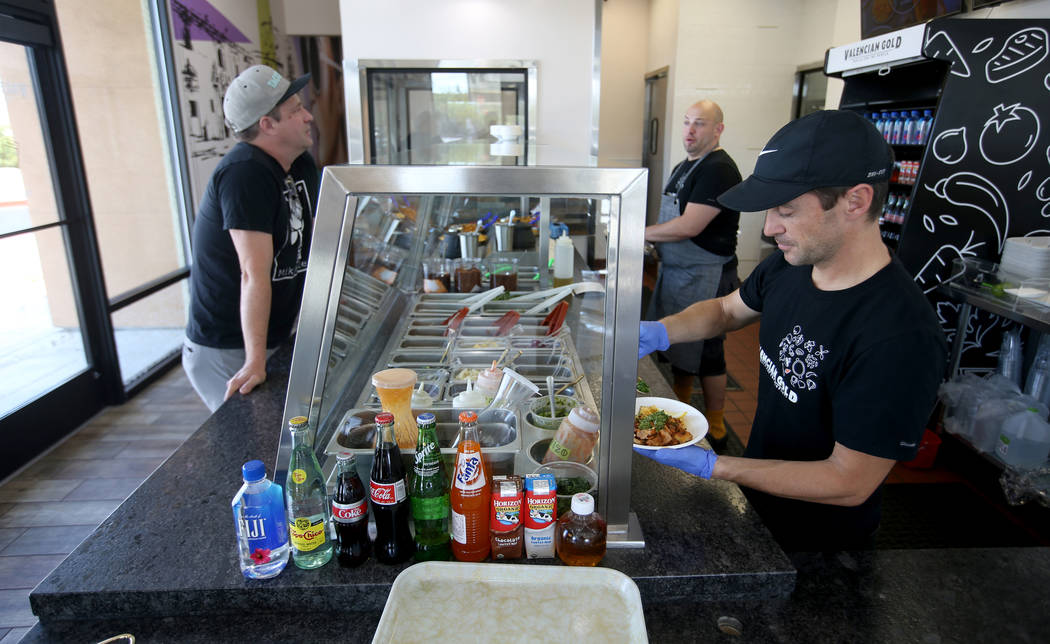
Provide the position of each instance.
(369, 304)
(984, 166)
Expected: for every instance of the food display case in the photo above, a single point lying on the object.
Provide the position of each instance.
(391, 241)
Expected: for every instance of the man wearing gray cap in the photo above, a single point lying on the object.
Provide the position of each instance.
(851, 351)
(251, 237)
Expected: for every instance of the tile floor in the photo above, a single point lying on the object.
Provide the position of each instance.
(51, 505)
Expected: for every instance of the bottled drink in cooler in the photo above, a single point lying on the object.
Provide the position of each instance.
(429, 494)
(925, 126)
(390, 504)
(470, 496)
(350, 513)
(307, 501)
(262, 534)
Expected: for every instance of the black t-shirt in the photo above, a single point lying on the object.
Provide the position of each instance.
(716, 174)
(860, 367)
(250, 191)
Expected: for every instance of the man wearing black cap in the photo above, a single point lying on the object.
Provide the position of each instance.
(251, 237)
(851, 351)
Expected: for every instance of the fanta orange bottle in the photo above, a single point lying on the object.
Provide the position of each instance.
(470, 495)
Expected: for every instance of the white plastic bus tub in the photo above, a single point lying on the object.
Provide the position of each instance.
(441, 601)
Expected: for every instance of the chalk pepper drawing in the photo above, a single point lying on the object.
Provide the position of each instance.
(971, 190)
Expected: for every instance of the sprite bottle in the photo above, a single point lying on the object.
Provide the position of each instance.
(306, 501)
(429, 495)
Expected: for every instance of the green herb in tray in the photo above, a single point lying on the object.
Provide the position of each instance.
(573, 485)
(562, 407)
(642, 386)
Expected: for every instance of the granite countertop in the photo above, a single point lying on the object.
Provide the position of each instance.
(163, 565)
(168, 550)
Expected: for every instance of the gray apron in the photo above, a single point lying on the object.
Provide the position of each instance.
(688, 274)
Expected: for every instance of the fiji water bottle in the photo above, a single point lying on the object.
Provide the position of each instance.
(925, 126)
(898, 128)
(911, 128)
(262, 533)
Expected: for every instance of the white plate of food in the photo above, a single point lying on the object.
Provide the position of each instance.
(662, 414)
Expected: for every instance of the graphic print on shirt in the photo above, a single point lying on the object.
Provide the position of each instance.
(289, 259)
(799, 360)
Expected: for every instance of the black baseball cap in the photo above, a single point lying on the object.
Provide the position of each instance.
(820, 150)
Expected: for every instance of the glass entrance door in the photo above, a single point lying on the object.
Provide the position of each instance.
(41, 344)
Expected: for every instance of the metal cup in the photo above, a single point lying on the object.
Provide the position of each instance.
(468, 245)
(504, 236)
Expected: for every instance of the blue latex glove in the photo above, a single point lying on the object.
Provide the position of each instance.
(692, 459)
(652, 336)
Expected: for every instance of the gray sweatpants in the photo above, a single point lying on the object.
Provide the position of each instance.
(209, 369)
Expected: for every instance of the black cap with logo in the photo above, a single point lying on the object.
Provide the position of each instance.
(823, 149)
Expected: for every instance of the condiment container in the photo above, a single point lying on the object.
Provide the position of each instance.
(575, 438)
(540, 409)
(489, 380)
(506, 530)
(1024, 440)
(394, 388)
(470, 399)
(580, 535)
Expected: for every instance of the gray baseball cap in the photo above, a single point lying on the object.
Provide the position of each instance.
(255, 92)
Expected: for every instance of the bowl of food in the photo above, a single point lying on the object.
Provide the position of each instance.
(540, 411)
(571, 478)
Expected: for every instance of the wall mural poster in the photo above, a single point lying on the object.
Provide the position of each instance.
(883, 16)
(986, 173)
(212, 42)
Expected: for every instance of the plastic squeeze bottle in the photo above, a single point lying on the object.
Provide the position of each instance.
(563, 260)
(575, 438)
(580, 535)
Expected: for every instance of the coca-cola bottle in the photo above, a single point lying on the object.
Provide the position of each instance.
(350, 513)
(390, 504)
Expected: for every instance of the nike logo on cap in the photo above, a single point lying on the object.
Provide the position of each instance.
(767, 151)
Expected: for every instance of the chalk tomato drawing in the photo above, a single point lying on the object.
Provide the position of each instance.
(1009, 135)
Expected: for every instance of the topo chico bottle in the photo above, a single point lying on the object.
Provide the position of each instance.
(306, 500)
(429, 494)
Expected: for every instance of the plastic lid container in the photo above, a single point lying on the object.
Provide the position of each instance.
(394, 378)
(585, 419)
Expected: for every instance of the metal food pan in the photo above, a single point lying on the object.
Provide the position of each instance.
(535, 373)
(474, 357)
(418, 358)
(479, 342)
(423, 342)
(552, 343)
(473, 321)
